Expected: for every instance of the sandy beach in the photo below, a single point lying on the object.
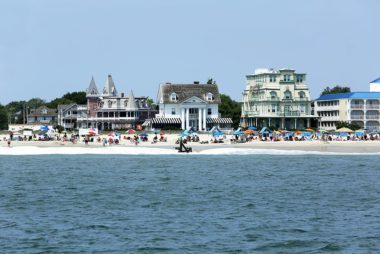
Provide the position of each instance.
(314, 145)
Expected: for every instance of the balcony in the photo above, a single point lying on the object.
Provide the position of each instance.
(357, 117)
(357, 106)
(372, 117)
(372, 106)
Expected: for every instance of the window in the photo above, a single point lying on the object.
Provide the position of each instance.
(209, 111)
(173, 111)
(273, 108)
(110, 104)
(299, 78)
(302, 108)
(288, 94)
(272, 78)
(301, 94)
(273, 95)
(210, 97)
(287, 77)
(173, 97)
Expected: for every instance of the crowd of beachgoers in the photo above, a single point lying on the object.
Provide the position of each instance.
(217, 136)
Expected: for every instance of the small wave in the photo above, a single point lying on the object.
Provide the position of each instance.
(33, 150)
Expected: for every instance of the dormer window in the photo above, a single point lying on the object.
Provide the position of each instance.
(110, 104)
(173, 97)
(302, 94)
(44, 111)
(210, 97)
(273, 95)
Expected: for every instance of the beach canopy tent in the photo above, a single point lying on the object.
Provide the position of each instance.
(343, 134)
(183, 134)
(214, 129)
(44, 128)
(218, 133)
(288, 134)
(344, 129)
(252, 128)
(265, 130)
(238, 133)
(359, 133)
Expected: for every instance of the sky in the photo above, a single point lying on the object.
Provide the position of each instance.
(49, 48)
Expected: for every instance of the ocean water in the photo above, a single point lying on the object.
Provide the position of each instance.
(205, 203)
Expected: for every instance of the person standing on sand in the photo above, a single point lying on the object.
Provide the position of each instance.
(9, 143)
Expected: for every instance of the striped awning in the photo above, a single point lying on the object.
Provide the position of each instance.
(219, 120)
(164, 120)
(147, 122)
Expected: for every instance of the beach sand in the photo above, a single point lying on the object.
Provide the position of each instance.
(315, 145)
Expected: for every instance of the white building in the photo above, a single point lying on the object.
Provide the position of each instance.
(188, 106)
(278, 98)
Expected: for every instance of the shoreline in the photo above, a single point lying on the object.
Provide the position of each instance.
(344, 147)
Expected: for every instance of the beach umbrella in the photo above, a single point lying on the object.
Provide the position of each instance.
(143, 135)
(238, 133)
(44, 128)
(183, 134)
(252, 128)
(130, 131)
(112, 134)
(162, 133)
(91, 131)
(248, 132)
(309, 129)
(344, 129)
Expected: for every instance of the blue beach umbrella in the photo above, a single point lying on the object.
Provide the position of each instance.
(183, 134)
(252, 128)
(143, 135)
(238, 133)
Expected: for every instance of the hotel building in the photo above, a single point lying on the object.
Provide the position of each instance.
(278, 98)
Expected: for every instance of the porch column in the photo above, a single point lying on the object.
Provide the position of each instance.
(283, 123)
(204, 119)
(182, 118)
(187, 119)
(295, 123)
(269, 122)
(199, 119)
(308, 123)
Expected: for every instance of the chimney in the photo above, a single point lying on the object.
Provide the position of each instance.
(196, 82)
(122, 94)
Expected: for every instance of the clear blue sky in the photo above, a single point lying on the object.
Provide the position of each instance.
(48, 48)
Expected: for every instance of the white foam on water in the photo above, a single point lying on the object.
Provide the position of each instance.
(32, 150)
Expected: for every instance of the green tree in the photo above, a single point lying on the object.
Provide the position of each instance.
(3, 118)
(230, 108)
(35, 103)
(352, 126)
(336, 89)
(76, 97)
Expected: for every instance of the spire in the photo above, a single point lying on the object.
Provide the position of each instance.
(109, 88)
(92, 90)
(131, 105)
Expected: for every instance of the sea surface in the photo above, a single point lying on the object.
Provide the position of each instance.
(169, 203)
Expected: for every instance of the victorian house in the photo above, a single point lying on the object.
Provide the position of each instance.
(188, 106)
(106, 109)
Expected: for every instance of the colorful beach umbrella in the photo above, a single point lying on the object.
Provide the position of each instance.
(143, 135)
(112, 134)
(252, 128)
(248, 132)
(131, 131)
